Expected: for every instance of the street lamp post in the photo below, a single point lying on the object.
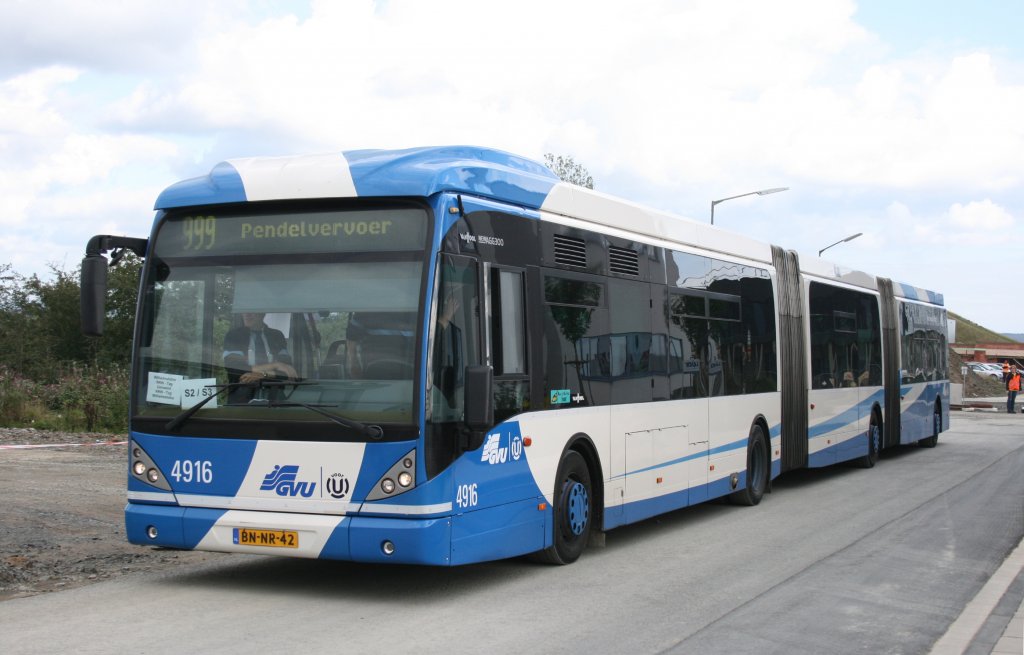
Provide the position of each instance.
(762, 192)
(849, 238)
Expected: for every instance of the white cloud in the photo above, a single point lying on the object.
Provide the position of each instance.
(898, 212)
(983, 215)
(138, 36)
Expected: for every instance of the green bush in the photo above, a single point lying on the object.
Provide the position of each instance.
(79, 398)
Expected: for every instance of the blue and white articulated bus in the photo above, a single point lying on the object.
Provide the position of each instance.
(446, 355)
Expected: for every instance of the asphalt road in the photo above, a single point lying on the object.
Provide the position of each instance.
(842, 560)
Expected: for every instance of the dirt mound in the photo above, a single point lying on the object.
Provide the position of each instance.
(975, 386)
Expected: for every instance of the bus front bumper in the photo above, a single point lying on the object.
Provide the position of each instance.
(355, 538)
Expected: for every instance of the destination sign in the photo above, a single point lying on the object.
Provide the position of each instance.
(212, 234)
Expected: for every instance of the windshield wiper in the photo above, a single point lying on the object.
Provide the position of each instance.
(369, 431)
(178, 420)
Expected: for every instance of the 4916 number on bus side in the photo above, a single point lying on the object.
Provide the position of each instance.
(200, 470)
(466, 496)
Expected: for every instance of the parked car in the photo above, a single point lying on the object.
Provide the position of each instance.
(994, 371)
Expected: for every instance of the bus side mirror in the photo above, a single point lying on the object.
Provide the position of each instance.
(479, 402)
(94, 294)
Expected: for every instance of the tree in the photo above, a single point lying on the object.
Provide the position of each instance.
(41, 318)
(22, 343)
(53, 309)
(568, 170)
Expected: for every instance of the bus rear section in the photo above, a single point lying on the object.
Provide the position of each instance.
(924, 366)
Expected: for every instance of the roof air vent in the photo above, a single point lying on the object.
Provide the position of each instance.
(624, 261)
(570, 251)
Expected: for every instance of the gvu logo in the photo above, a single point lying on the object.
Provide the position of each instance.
(283, 481)
(493, 453)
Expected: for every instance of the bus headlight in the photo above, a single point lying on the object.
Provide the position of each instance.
(145, 470)
(404, 471)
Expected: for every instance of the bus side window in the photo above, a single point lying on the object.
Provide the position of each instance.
(508, 343)
(456, 345)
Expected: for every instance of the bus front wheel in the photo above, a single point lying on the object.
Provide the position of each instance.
(572, 511)
(757, 469)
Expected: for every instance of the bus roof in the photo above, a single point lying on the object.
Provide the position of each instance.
(415, 172)
(482, 172)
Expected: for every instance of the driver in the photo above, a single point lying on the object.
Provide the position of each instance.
(254, 351)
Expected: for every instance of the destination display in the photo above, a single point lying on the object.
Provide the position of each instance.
(212, 234)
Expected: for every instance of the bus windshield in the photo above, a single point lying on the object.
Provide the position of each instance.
(298, 318)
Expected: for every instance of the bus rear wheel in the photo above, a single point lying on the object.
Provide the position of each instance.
(757, 469)
(572, 511)
(930, 442)
(874, 442)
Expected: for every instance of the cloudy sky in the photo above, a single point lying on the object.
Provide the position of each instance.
(900, 119)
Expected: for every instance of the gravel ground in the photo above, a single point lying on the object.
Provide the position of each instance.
(62, 514)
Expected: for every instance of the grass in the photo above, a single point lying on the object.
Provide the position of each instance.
(970, 332)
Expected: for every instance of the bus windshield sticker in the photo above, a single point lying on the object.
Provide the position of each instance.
(193, 392)
(163, 388)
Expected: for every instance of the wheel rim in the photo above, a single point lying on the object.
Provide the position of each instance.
(876, 438)
(936, 423)
(577, 507)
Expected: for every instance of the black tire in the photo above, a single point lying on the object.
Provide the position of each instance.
(874, 435)
(930, 442)
(572, 510)
(758, 472)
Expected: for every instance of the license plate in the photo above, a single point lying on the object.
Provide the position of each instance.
(269, 538)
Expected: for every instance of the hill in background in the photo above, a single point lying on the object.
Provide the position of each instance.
(1017, 336)
(970, 332)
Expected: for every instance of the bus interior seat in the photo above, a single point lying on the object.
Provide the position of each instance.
(333, 366)
(387, 357)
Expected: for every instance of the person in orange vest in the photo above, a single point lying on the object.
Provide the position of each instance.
(1006, 370)
(1012, 387)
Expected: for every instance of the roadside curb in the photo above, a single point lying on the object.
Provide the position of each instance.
(963, 630)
